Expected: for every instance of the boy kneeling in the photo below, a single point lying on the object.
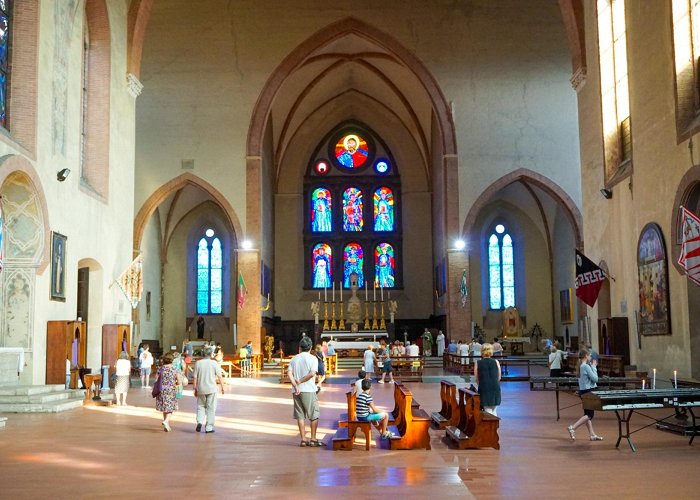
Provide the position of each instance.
(367, 412)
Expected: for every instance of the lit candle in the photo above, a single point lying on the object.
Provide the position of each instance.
(366, 294)
(334, 291)
(653, 381)
(675, 379)
(643, 383)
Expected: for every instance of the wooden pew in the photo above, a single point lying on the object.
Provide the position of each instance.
(347, 427)
(475, 428)
(284, 367)
(454, 363)
(406, 368)
(411, 425)
(397, 397)
(449, 410)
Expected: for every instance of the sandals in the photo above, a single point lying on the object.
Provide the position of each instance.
(315, 443)
(388, 435)
(572, 432)
(595, 437)
(304, 444)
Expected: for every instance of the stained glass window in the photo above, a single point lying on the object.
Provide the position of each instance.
(384, 265)
(322, 266)
(352, 209)
(321, 210)
(384, 209)
(353, 262)
(209, 275)
(501, 269)
(351, 151)
(5, 24)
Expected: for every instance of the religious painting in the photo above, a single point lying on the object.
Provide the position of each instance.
(351, 151)
(654, 310)
(383, 209)
(566, 306)
(322, 270)
(265, 280)
(58, 267)
(321, 206)
(353, 262)
(352, 209)
(384, 265)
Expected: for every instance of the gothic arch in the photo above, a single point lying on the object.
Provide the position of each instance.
(173, 186)
(573, 16)
(11, 165)
(325, 36)
(139, 13)
(527, 176)
(688, 183)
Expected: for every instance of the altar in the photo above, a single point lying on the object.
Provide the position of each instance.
(346, 341)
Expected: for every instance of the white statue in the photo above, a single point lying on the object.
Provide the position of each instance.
(315, 309)
(393, 307)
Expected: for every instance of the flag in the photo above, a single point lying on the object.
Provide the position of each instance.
(690, 245)
(463, 288)
(242, 290)
(1, 235)
(589, 279)
(131, 282)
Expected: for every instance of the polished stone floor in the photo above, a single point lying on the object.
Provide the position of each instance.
(122, 452)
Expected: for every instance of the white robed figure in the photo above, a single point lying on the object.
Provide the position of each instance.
(440, 340)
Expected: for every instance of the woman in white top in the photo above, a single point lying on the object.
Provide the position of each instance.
(369, 358)
(121, 384)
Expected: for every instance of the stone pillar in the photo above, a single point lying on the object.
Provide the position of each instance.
(249, 319)
(458, 318)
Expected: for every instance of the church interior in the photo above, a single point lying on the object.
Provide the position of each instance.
(242, 171)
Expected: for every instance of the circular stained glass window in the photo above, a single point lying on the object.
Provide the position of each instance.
(500, 228)
(381, 166)
(351, 151)
(209, 233)
(322, 167)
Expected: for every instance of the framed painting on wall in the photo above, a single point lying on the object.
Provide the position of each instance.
(58, 267)
(654, 309)
(566, 303)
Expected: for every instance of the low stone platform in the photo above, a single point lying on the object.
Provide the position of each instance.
(39, 398)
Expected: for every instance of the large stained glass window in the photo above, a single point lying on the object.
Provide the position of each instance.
(322, 260)
(352, 209)
(353, 262)
(501, 269)
(209, 274)
(351, 151)
(384, 265)
(384, 209)
(321, 210)
(5, 24)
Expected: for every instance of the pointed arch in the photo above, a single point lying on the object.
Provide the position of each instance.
(528, 177)
(173, 186)
(139, 14)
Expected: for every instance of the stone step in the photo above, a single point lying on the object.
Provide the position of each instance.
(41, 398)
(51, 407)
(2, 421)
(27, 390)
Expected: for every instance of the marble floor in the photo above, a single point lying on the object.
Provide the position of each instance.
(120, 452)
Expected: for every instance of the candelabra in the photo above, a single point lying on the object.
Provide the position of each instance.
(341, 322)
(366, 326)
(382, 323)
(334, 325)
(325, 316)
(375, 325)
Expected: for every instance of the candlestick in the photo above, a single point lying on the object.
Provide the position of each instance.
(382, 293)
(366, 295)
(340, 289)
(374, 297)
(325, 294)
(388, 295)
(643, 383)
(653, 383)
(675, 379)
(319, 296)
(334, 291)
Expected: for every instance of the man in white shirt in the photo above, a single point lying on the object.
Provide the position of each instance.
(463, 351)
(302, 374)
(145, 362)
(207, 373)
(413, 350)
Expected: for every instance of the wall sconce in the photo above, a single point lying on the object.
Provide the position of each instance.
(63, 174)
(607, 193)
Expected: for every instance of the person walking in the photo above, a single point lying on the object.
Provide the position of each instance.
(121, 383)
(146, 362)
(487, 374)
(587, 381)
(302, 372)
(170, 379)
(368, 361)
(207, 374)
(385, 357)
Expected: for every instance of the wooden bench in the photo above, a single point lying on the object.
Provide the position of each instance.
(284, 367)
(397, 397)
(608, 364)
(454, 363)
(411, 425)
(406, 368)
(475, 429)
(348, 425)
(449, 410)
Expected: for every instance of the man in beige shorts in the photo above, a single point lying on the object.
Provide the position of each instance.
(302, 373)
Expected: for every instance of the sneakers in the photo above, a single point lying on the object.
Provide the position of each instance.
(166, 426)
(595, 437)
(572, 433)
(198, 428)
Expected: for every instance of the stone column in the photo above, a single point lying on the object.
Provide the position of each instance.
(249, 319)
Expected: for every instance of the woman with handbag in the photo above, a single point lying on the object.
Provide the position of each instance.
(168, 378)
